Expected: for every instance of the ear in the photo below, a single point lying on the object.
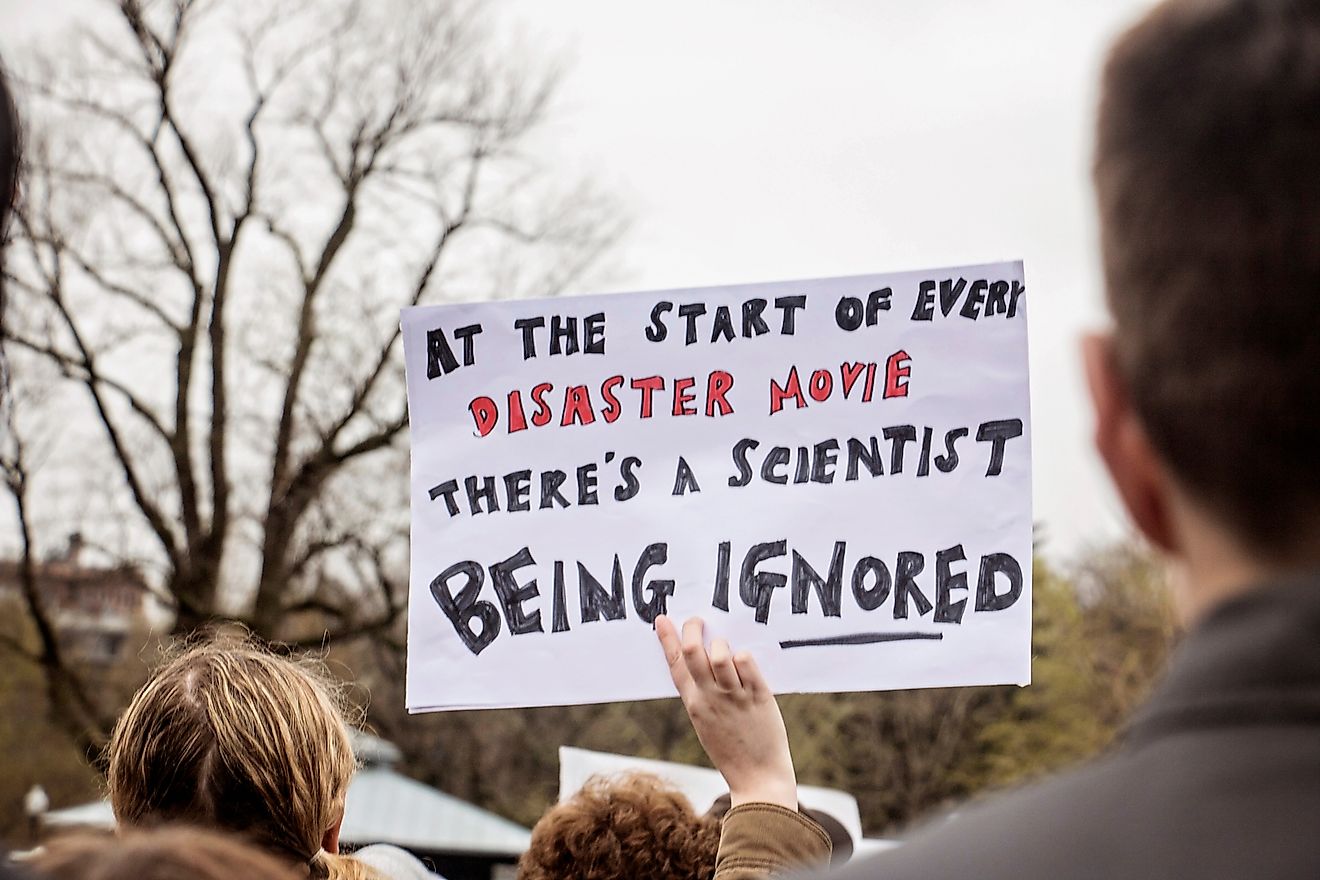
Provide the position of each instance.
(330, 840)
(1134, 467)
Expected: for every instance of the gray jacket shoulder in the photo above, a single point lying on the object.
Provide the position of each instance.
(1206, 804)
(1217, 776)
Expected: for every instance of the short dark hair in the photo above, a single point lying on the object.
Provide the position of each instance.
(11, 156)
(1207, 173)
(160, 854)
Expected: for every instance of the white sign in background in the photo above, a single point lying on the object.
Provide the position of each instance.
(700, 785)
(779, 517)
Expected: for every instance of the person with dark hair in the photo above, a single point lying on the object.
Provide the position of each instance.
(161, 854)
(11, 141)
(1207, 401)
(11, 154)
(634, 827)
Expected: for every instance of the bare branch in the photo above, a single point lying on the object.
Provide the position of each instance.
(76, 367)
(373, 628)
(179, 242)
(159, 53)
(175, 247)
(114, 434)
(68, 694)
(91, 271)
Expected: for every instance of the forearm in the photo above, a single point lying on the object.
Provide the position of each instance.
(764, 840)
(736, 718)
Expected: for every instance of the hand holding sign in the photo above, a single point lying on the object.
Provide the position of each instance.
(734, 713)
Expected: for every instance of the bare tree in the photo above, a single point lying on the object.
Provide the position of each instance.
(226, 205)
(66, 692)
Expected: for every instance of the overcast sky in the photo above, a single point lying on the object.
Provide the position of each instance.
(756, 140)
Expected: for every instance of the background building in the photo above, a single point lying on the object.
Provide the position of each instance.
(461, 841)
(94, 609)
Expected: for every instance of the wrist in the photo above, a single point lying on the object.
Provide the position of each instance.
(781, 793)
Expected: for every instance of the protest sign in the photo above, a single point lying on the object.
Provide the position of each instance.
(835, 474)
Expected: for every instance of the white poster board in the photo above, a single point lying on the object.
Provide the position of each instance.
(835, 474)
(702, 786)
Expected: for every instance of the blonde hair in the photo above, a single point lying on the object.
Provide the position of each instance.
(230, 736)
(164, 854)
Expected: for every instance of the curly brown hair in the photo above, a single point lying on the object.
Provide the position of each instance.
(633, 826)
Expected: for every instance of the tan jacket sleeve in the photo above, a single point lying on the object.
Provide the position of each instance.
(765, 840)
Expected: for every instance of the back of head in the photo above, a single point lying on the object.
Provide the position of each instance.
(236, 738)
(11, 149)
(165, 854)
(630, 827)
(1209, 192)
